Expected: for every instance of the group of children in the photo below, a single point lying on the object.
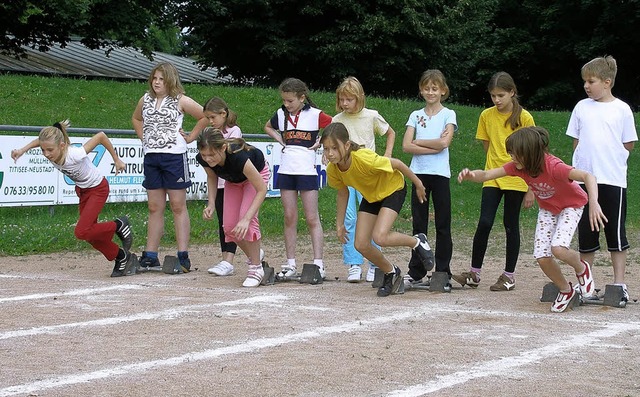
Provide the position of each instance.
(371, 188)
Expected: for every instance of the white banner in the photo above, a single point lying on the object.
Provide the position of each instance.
(32, 180)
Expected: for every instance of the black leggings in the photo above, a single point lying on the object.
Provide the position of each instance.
(224, 246)
(491, 197)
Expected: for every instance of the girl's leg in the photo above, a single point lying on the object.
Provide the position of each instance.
(491, 197)
(178, 203)
(511, 220)
(350, 255)
(364, 232)
(552, 270)
(420, 221)
(99, 235)
(156, 202)
(442, 209)
(310, 206)
(289, 200)
(228, 249)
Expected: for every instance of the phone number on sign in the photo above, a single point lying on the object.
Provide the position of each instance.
(28, 190)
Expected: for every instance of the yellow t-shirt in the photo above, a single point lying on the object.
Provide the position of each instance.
(492, 128)
(369, 173)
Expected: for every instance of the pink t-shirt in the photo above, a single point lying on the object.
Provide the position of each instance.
(553, 189)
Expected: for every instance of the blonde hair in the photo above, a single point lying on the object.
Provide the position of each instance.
(436, 77)
(603, 68)
(57, 133)
(350, 86)
(171, 80)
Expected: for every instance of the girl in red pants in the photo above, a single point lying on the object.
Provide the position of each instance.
(91, 187)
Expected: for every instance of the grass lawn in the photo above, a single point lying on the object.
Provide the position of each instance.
(32, 100)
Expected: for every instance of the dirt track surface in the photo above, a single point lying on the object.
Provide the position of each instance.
(68, 329)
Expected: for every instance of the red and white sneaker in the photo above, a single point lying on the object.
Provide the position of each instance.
(587, 286)
(564, 299)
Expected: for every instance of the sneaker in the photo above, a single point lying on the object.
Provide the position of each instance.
(254, 276)
(125, 233)
(287, 271)
(371, 274)
(504, 283)
(223, 268)
(120, 268)
(587, 286)
(146, 262)
(323, 274)
(424, 251)
(467, 278)
(563, 300)
(261, 255)
(409, 282)
(391, 282)
(625, 293)
(185, 265)
(355, 274)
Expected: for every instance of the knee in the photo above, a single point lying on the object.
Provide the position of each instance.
(362, 246)
(559, 252)
(81, 233)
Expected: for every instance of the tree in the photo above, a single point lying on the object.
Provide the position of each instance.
(40, 24)
(385, 43)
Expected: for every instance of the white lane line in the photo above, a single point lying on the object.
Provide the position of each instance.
(505, 365)
(76, 292)
(164, 314)
(246, 347)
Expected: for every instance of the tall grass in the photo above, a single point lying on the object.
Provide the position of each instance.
(33, 100)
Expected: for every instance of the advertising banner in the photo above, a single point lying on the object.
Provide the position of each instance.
(32, 180)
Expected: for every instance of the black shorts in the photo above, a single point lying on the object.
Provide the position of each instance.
(613, 201)
(394, 202)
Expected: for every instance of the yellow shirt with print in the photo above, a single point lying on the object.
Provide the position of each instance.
(369, 173)
(492, 128)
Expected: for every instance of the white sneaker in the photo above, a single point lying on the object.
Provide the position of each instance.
(323, 274)
(261, 255)
(254, 276)
(371, 274)
(355, 274)
(223, 268)
(287, 271)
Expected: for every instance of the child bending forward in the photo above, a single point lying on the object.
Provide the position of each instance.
(561, 202)
(381, 182)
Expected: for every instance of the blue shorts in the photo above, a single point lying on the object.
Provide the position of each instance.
(297, 182)
(166, 171)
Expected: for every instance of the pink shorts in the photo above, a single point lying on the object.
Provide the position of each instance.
(237, 200)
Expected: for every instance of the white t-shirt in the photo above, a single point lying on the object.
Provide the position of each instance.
(602, 129)
(363, 126)
(79, 168)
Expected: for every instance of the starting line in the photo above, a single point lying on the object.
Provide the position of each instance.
(501, 366)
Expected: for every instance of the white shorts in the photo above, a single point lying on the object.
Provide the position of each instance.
(555, 230)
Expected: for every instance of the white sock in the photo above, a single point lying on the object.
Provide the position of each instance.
(291, 263)
(319, 263)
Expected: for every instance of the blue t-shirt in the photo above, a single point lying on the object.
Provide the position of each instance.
(431, 128)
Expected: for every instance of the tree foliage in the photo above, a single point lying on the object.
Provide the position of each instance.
(39, 24)
(387, 44)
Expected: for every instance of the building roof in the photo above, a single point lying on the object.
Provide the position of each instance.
(77, 60)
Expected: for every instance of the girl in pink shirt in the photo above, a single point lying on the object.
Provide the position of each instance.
(561, 202)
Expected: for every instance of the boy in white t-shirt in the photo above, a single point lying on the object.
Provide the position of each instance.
(604, 132)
